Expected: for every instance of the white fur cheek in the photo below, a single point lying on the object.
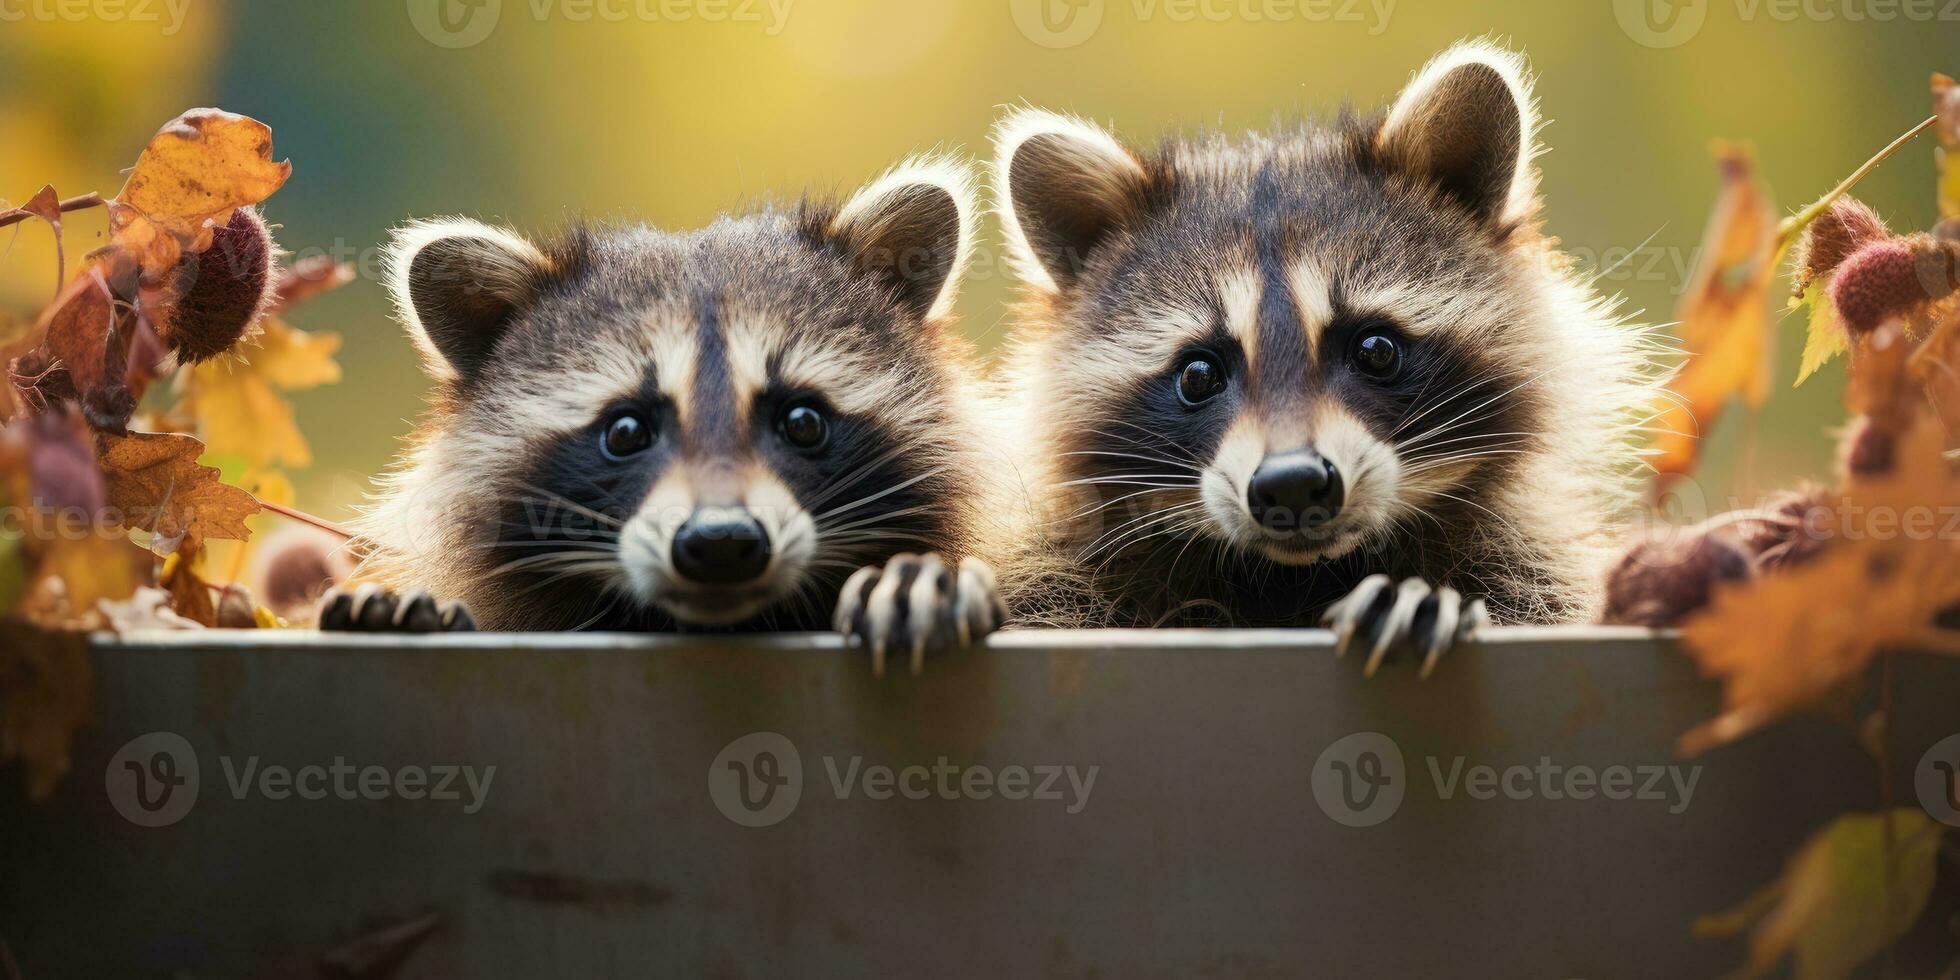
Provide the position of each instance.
(1371, 472)
(644, 557)
(792, 534)
(1223, 485)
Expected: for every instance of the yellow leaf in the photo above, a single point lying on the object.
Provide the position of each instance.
(1826, 339)
(96, 566)
(237, 402)
(240, 413)
(196, 170)
(1946, 106)
(1831, 905)
(1724, 316)
(294, 359)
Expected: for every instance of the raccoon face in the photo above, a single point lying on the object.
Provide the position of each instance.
(714, 429)
(1298, 343)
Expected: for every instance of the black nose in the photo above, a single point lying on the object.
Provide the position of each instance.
(721, 546)
(1295, 491)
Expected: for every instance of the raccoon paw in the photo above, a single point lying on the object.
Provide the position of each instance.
(372, 609)
(1382, 617)
(916, 605)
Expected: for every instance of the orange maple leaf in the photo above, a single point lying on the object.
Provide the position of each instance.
(1725, 324)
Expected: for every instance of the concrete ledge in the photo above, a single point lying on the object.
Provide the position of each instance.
(1232, 827)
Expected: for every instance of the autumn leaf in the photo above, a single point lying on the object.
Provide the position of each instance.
(155, 480)
(1825, 339)
(307, 278)
(1946, 108)
(197, 169)
(237, 401)
(190, 597)
(46, 695)
(1724, 316)
(1936, 367)
(1832, 906)
(1778, 649)
(99, 565)
(84, 354)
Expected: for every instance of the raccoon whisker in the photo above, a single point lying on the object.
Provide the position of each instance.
(1454, 396)
(548, 497)
(603, 612)
(1117, 536)
(1513, 528)
(851, 477)
(1154, 488)
(1170, 531)
(1448, 461)
(1481, 435)
(1138, 457)
(875, 519)
(605, 547)
(1416, 464)
(1131, 479)
(556, 559)
(880, 495)
(1445, 427)
(1154, 440)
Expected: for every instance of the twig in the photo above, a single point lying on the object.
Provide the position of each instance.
(1787, 231)
(306, 518)
(76, 203)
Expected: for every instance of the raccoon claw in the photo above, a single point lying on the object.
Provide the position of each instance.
(1383, 617)
(916, 605)
(372, 609)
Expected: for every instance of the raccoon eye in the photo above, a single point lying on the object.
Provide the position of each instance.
(1377, 354)
(804, 427)
(628, 434)
(1199, 379)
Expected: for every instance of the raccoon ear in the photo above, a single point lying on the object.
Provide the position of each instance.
(1467, 122)
(1065, 184)
(913, 228)
(456, 284)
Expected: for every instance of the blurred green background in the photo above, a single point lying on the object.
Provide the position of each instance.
(671, 111)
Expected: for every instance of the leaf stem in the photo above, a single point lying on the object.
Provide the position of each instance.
(76, 203)
(1792, 226)
(306, 518)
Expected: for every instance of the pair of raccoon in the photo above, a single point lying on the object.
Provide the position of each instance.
(1326, 373)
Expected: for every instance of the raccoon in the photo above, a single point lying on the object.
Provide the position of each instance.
(632, 429)
(1324, 373)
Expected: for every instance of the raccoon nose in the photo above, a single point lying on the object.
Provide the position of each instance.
(721, 546)
(1295, 491)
